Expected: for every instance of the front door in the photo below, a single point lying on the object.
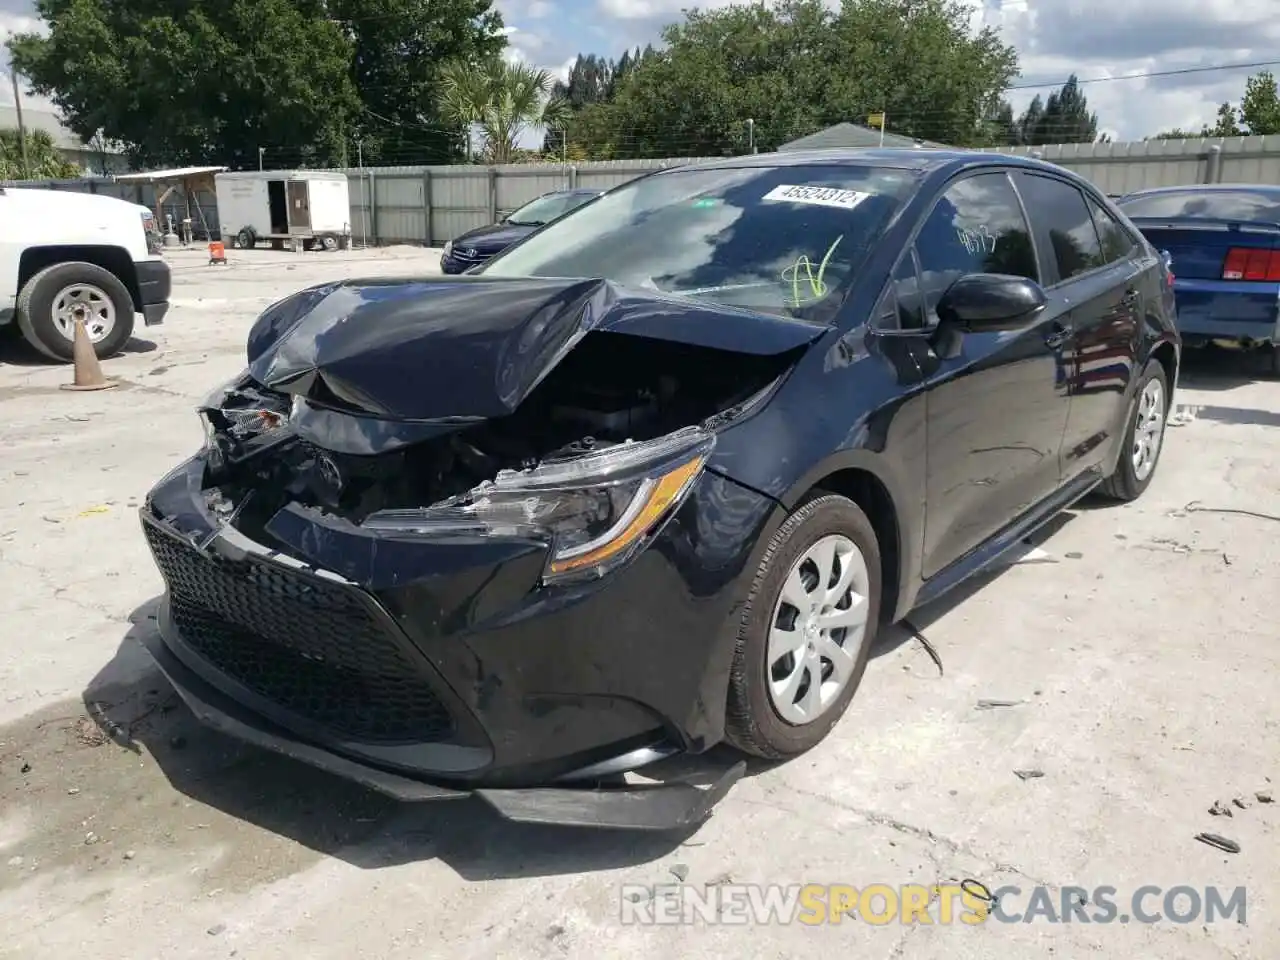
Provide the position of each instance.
(997, 402)
(299, 207)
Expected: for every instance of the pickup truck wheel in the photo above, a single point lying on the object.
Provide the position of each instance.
(52, 301)
(807, 627)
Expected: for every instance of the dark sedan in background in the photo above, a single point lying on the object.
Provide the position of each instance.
(1223, 242)
(476, 246)
(653, 478)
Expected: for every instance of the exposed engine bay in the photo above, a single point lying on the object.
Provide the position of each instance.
(609, 389)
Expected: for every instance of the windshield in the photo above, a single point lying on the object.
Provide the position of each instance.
(1257, 206)
(782, 240)
(545, 209)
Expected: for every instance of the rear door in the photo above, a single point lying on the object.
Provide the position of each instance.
(299, 206)
(1096, 268)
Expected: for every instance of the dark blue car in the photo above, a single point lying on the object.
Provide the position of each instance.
(652, 479)
(478, 245)
(1223, 241)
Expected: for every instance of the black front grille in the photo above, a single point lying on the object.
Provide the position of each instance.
(309, 646)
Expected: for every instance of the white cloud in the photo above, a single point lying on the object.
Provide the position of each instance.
(1057, 38)
(11, 23)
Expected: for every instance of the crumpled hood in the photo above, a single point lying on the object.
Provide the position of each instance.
(470, 348)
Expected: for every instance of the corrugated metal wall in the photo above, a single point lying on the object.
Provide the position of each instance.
(429, 205)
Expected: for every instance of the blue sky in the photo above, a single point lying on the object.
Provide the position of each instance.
(1092, 38)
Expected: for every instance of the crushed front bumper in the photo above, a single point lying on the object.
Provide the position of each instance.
(434, 671)
(667, 806)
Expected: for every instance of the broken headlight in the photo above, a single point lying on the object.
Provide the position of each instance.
(597, 511)
(238, 419)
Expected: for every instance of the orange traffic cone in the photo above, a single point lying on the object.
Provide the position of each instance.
(88, 372)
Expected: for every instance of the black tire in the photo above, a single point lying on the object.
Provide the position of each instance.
(1124, 485)
(328, 242)
(246, 238)
(752, 724)
(1273, 364)
(35, 309)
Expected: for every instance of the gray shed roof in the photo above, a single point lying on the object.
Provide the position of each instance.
(852, 135)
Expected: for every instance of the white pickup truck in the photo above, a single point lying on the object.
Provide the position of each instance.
(66, 256)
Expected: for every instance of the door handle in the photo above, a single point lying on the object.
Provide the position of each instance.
(1057, 336)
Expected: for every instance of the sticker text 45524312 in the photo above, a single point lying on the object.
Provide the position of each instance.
(819, 196)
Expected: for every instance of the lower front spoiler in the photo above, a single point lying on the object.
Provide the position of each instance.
(667, 806)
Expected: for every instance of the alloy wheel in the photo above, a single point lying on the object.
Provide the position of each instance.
(1148, 429)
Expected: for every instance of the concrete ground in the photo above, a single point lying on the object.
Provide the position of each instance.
(1135, 648)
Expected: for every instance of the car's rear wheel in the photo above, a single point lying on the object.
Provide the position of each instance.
(806, 630)
(1143, 438)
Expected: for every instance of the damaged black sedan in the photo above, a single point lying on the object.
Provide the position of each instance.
(651, 479)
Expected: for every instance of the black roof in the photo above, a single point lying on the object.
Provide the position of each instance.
(909, 158)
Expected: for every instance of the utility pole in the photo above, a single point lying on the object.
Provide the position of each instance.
(751, 135)
(364, 202)
(22, 127)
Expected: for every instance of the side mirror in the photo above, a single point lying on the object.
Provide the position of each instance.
(991, 302)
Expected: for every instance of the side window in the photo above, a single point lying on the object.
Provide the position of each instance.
(1060, 209)
(976, 226)
(1117, 242)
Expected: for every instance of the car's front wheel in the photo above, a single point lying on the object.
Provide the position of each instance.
(1143, 439)
(806, 630)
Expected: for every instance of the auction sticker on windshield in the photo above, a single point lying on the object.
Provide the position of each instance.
(821, 196)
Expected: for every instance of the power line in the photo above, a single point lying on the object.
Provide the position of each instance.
(1183, 71)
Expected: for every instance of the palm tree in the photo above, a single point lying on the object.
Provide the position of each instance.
(43, 159)
(502, 98)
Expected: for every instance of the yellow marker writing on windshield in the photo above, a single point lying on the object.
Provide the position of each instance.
(817, 286)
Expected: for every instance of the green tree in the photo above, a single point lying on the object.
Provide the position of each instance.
(1227, 123)
(1260, 106)
(181, 81)
(43, 160)
(1063, 118)
(195, 83)
(797, 66)
(502, 99)
(397, 50)
(1257, 115)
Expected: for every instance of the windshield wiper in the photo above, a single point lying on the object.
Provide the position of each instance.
(525, 223)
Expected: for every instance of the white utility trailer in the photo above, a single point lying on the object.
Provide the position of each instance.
(305, 209)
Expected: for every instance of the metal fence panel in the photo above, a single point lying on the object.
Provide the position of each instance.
(430, 205)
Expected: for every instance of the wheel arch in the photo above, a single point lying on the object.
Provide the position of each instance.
(115, 260)
(868, 480)
(1165, 352)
